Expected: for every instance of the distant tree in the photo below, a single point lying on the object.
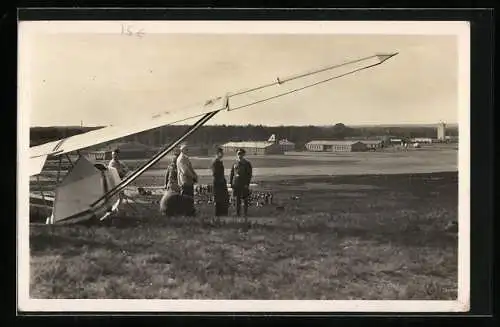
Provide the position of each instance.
(221, 134)
(340, 131)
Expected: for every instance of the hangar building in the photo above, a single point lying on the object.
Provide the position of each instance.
(336, 146)
(373, 144)
(286, 145)
(253, 148)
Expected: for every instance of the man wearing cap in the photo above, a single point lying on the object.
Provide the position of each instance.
(221, 194)
(241, 175)
(186, 176)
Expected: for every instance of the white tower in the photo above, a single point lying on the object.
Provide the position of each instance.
(441, 131)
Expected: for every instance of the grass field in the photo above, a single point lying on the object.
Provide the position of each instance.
(433, 158)
(297, 165)
(338, 237)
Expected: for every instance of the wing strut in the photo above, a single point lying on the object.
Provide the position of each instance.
(207, 116)
(127, 180)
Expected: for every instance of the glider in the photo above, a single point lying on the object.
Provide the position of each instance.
(92, 190)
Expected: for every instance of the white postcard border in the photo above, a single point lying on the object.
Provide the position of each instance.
(460, 29)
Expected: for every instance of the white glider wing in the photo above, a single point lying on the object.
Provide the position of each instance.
(38, 154)
(36, 164)
(239, 100)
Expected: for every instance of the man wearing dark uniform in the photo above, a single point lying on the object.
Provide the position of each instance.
(241, 175)
(221, 194)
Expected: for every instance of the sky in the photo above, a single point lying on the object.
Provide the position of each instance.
(102, 79)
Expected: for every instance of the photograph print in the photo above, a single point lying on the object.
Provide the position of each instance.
(292, 166)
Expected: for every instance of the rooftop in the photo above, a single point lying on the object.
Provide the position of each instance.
(333, 142)
(370, 141)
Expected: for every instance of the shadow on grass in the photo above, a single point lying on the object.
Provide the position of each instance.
(70, 245)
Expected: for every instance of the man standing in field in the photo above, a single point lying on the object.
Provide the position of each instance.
(221, 195)
(171, 179)
(241, 175)
(117, 164)
(187, 177)
(171, 202)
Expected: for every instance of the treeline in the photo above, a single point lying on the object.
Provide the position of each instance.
(39, 135)
(219, 134)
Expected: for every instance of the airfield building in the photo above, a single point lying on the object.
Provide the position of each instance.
(286, 145)
(253, 148)
(422, 140)
(396, 141)
(336, 146)
(373, 144)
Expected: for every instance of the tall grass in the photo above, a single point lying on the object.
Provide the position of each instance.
(375, 237)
